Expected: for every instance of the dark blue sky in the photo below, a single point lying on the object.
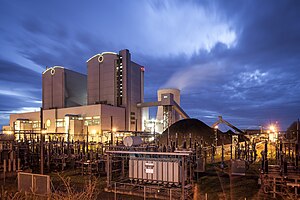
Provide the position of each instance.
(238, 59)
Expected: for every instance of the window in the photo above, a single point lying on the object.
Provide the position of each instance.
(91, 121)
(96, 122)
(60, 123)
(36, 124)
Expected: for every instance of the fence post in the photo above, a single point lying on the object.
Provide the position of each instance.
(144, 192)
(19, 164)
(4, 169)
(115, 190)
(9, 165)
(14, 165)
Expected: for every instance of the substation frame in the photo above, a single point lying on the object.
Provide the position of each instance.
(149, 174)
(39, 152)
(283, 178)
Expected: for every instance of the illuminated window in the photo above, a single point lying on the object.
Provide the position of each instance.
(36, 124)
(96, 122)
(60, 124)
(92, 122)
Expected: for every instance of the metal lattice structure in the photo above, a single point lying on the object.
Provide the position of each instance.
(167, 116)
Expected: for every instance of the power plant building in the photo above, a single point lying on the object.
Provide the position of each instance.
(93, 105)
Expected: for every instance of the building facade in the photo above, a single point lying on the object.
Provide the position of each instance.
(114, 79)
(80, 107)
(90, 122)
(62, 88)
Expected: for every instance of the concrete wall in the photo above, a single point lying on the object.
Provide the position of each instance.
(101, 79)
(53, 88)
(63, 88)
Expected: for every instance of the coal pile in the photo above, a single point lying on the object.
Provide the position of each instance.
(198, 130)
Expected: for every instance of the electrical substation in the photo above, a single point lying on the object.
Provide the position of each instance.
(105, 130)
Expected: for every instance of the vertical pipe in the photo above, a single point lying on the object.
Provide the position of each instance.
(111, 130)
(9, 165)
(222, 164)
(48, 154)
(19, 164)
(298, 136)
(41, 118)
(115, 190)
(182, 177)
(42, 153)
(296, 154)
(4, 170)
(154, 133)
(176, 141)
(190, 141)
(136, 125)
(87, 139)
(168, 138)
(297, 146)
(230, 151)
(108, 174)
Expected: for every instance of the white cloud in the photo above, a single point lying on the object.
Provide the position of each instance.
(253, 78)
(20, 93)
(184, 28)
(25, 109)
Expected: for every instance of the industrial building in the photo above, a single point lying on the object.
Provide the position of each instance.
(110, 98)
(88, 106)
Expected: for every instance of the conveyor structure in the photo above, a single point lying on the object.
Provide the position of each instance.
(168, 103)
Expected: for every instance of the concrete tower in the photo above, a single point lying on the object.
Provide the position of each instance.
(160, 112)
